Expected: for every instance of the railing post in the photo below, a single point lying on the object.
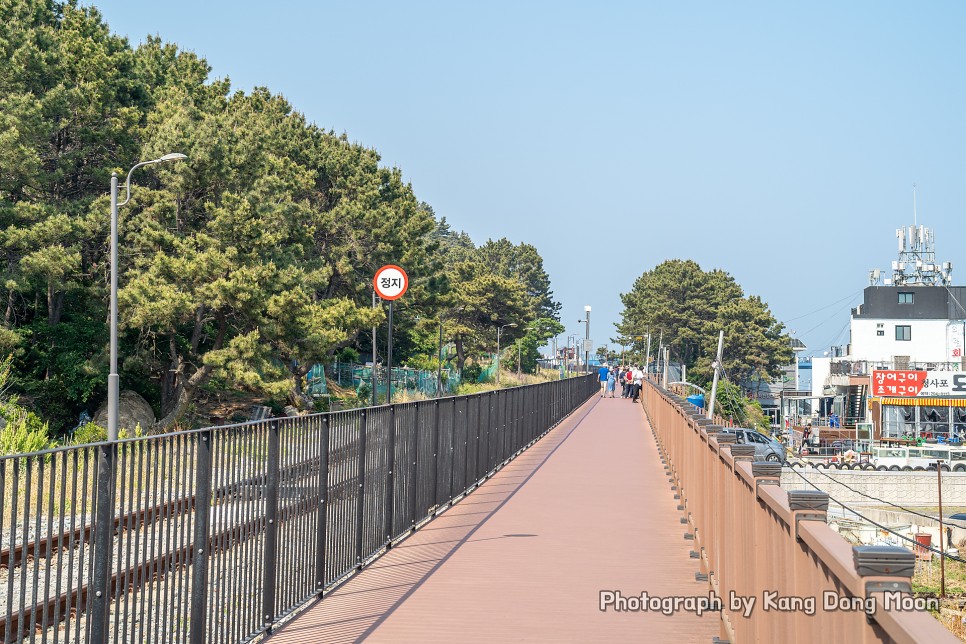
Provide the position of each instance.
(414, 451)
(199, 564)
(452, 450)
(100, 595)
(390, 477)
(271, 524)
(361, 503)
(321, 535)
(810, 505)
(436, 456)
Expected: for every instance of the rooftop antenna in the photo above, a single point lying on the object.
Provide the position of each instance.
(915, 213)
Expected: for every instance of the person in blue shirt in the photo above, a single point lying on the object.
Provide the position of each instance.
(602, 376)
(611, 381)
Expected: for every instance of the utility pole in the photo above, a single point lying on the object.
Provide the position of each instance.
(717, 366)
(587, 342)
(667, 352)
(660, 351)
(942, 529)
(647, 355)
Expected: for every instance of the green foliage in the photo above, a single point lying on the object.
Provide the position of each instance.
(246, 264)
(347, 354)
(89, 433)
(471, 372)
(729, 403)
(756, 418)
(690, 306)
(24, 433)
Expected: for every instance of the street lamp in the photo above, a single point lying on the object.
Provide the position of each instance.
(499, 330)
(112, 378)
(569, 337)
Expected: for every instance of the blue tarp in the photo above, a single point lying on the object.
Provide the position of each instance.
(697, 400)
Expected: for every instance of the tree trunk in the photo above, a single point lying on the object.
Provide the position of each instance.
(55, 307)
(186, 387)
(8, 317)
(460, 355)
(182, 399)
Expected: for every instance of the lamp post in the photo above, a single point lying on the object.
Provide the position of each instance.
(107, 452)
(587, 343)
(499, 330)
(112, 378)
(569, 338)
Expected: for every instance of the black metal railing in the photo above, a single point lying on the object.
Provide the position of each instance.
(216, 534)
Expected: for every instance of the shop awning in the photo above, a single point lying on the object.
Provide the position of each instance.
(924, 402)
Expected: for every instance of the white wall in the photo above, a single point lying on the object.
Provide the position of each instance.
(928, 343)
(820, 371)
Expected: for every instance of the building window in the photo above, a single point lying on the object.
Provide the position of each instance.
(880, 329)
(906, 298)
(903, 332)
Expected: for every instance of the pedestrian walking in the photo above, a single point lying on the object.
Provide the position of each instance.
(611, 382)
(628, 382)
(602, 376)
(638, 381)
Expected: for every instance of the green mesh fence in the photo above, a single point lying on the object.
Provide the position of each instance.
(353, 375)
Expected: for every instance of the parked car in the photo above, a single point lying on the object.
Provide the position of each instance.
(766, 448)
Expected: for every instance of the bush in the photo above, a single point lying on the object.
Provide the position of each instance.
(89, 433)
(23, 433)
(472, 372)
(347, 354)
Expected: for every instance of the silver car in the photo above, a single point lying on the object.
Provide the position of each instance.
(766, 448)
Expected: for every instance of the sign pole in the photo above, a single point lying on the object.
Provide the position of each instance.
(390, 283)
(389, 359)
(375, 380)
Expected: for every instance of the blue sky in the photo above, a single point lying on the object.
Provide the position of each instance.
(777, 142)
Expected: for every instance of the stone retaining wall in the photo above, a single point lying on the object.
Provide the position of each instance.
(903, 488)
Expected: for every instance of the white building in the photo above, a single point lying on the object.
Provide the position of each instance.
(906, 348)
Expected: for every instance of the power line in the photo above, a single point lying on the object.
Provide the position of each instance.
(828, 306)
(879, 525)
(874, 498)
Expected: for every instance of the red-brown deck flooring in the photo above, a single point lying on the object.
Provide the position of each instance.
(523, 558)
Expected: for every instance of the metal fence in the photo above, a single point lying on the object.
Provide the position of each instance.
(755, 539)
(217, 534)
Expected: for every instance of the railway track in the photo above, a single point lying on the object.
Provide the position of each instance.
(15, 624)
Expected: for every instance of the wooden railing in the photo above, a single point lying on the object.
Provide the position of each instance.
(760, 543)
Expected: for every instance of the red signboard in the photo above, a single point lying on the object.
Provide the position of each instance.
(898, 383)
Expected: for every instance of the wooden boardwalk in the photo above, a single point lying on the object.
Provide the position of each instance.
(524, 557)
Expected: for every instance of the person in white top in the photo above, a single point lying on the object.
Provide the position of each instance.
(638, 382)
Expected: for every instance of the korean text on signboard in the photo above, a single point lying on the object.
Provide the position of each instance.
(390, 282)
(911, 384)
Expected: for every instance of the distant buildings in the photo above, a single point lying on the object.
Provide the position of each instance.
(903, 370)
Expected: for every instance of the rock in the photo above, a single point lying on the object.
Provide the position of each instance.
(290, 411)
(133, 410)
